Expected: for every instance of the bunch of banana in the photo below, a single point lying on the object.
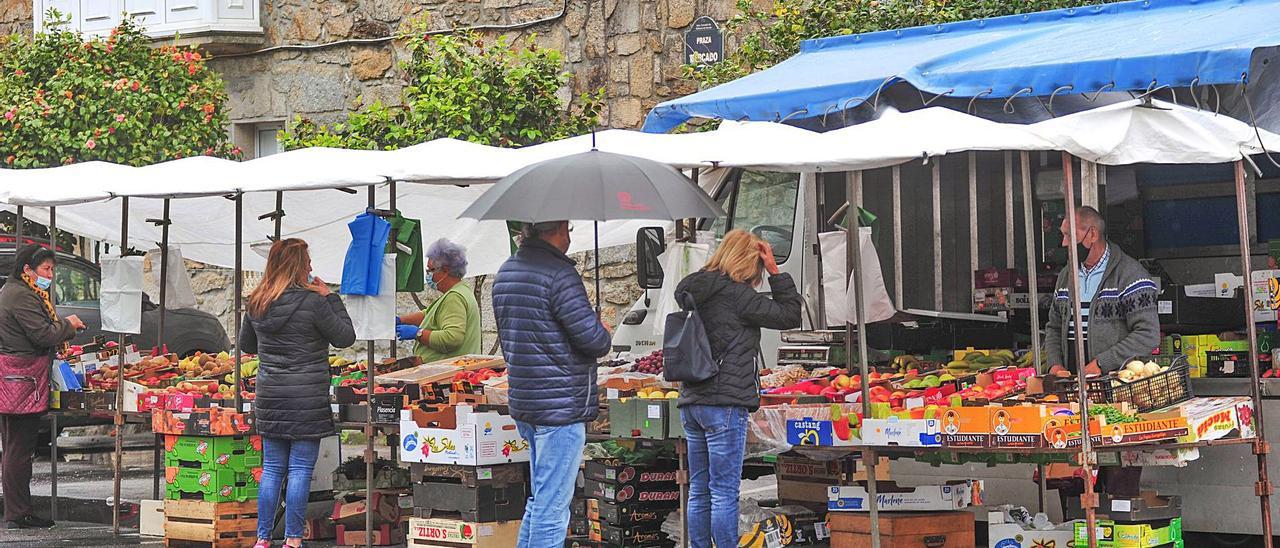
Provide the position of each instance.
(1028, 360)
(977, 361)
(904, 363)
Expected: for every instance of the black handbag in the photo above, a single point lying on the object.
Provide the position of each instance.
(686, 351)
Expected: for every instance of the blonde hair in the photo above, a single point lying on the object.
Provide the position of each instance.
(286, 267)
(738, 257)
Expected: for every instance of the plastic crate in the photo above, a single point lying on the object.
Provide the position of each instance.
(1158, 391)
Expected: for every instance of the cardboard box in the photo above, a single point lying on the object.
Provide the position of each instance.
(480, 439)
(771, 532)
(319, 529)
(1155, 427)
(1218, 417)
(482, 503)
(1018, 426)
(385, 535)
(218, 485)
(620, 474)
(1227, 364)
(215, 421)
(1003, 532)
(386, 509)
(906, 529)
(239, 453)
(967, 427)
(626, 514)
(654, 496)
(902, 432)
(625, 536)
(1111, 534)
(925, 498)
(456, 533)
(151, 518)
(652, 419)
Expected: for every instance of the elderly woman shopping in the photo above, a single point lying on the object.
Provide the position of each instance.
(450, 326)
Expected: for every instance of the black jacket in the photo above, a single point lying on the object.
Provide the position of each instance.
(25, 326)
(733, 314)
(292, 342)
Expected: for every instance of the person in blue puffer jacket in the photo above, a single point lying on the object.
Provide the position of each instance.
(551, 339)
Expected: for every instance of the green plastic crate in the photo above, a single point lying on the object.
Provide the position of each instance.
(1113, 534)
(239, 453)
(220, 485)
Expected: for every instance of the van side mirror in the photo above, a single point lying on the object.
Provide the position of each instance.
(650, 242)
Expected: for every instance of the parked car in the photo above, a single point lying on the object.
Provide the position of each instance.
(76, 287)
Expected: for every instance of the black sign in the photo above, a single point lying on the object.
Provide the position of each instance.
(704, 43)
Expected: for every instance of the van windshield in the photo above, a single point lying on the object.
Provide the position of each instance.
(763, 203)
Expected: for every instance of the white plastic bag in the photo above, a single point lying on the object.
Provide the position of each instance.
(178, 292)
(679, 260)
(374, 316)
(840, 306)
(122, 295)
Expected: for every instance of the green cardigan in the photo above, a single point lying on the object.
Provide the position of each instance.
(454, 322)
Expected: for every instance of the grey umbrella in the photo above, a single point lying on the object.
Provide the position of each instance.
(594, 186)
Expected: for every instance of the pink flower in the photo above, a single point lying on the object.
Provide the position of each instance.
(119, 117)
(111, 129)
(10, 114)
(90, 144)
(19, 72)
(134, 85)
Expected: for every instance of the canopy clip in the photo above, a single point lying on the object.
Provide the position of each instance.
(274, 215)
(875, 102)
(1098, 93)
(969, 109)
(1055, 94)
(789, 116)
(935, 97)
(1195, 97)
(159, 222)
(1008, 103)
(827, 113)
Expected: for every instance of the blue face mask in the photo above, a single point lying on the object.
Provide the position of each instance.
(43, 282)
(311, 279)
(431, 283)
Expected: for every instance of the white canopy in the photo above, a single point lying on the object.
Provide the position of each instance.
(1124, 133)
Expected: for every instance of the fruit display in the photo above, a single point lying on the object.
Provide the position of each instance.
(975, 361)
(783, 376)
(201, 365)
(150, 372)
(478, 376)
(1112, 414)
(928, 381)
(651, 364)
(657, 393)
(994, 391)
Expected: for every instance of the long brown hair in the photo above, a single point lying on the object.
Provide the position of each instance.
(738, 257)
(287, 266)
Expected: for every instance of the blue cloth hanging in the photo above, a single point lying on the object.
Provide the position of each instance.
(362, 268)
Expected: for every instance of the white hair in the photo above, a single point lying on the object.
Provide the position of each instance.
(450, 255)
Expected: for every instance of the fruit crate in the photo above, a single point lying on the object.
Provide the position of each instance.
(239, 453)
(210, 524)
(222, 485)
(1169, 387)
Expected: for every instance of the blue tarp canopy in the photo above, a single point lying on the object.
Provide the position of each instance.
(1131, 46)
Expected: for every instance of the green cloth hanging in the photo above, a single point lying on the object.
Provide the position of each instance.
(410, 264)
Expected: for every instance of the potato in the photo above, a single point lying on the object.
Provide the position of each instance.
(1152, 368)
(1136, 366)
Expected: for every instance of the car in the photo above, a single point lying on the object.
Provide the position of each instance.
(76, 287)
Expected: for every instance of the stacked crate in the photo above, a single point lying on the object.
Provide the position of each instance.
(625, 504)
(211, 490)
(477, 506)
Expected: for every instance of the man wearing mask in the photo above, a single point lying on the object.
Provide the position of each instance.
(1117, 303)
(551, 339)
(1119, 316)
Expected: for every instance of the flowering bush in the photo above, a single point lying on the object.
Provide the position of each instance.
(64, 99)
(462, 88)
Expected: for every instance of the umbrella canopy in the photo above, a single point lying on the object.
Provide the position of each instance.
(594, 186)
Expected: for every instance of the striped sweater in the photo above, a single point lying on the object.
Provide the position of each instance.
(1122, 316)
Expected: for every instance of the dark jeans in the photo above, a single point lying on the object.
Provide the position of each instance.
(18, 433)
(282, 459)
(717, 438)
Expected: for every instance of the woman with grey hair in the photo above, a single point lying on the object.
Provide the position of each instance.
(450, 326)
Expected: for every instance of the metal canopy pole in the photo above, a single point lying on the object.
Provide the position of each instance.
(1260, 446)
(17, 229)
(853, 254)
(1008, 210)
(897, 237)
(163, 222)
(279, 214)
(973, 216)
(53, 417)
(1028, 207)
(1089, 500)
(369, 455)
(238, 284)
(395, 239)
(937, 234)
(119, 415)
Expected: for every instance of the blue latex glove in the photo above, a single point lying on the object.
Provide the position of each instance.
(406, 332)
(399, 321)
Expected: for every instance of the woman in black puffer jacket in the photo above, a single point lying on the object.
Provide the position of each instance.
(291, 322)
(714, 411)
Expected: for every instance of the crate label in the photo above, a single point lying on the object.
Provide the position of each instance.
(611, 393)
(1164, 307)
(655, 411)
(821, 530)
(484, 473)
(1121, 505)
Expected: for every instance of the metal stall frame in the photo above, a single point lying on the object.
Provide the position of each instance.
(119, 414)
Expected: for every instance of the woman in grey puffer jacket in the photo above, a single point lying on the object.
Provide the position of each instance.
(291, 322)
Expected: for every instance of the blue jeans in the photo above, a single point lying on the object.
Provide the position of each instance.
(294, 459)
(555, 454)
(717, 439)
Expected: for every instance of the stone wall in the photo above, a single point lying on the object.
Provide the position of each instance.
(15, 17)
(631, 48)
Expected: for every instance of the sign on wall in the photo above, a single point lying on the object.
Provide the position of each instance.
(703, 43)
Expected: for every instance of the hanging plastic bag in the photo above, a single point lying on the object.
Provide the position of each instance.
(679, 260)
(122, 295)
(374, 316)
(178, 292)
(840, 306)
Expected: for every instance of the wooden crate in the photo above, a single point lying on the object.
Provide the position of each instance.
(903, 529)
(210, 524)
